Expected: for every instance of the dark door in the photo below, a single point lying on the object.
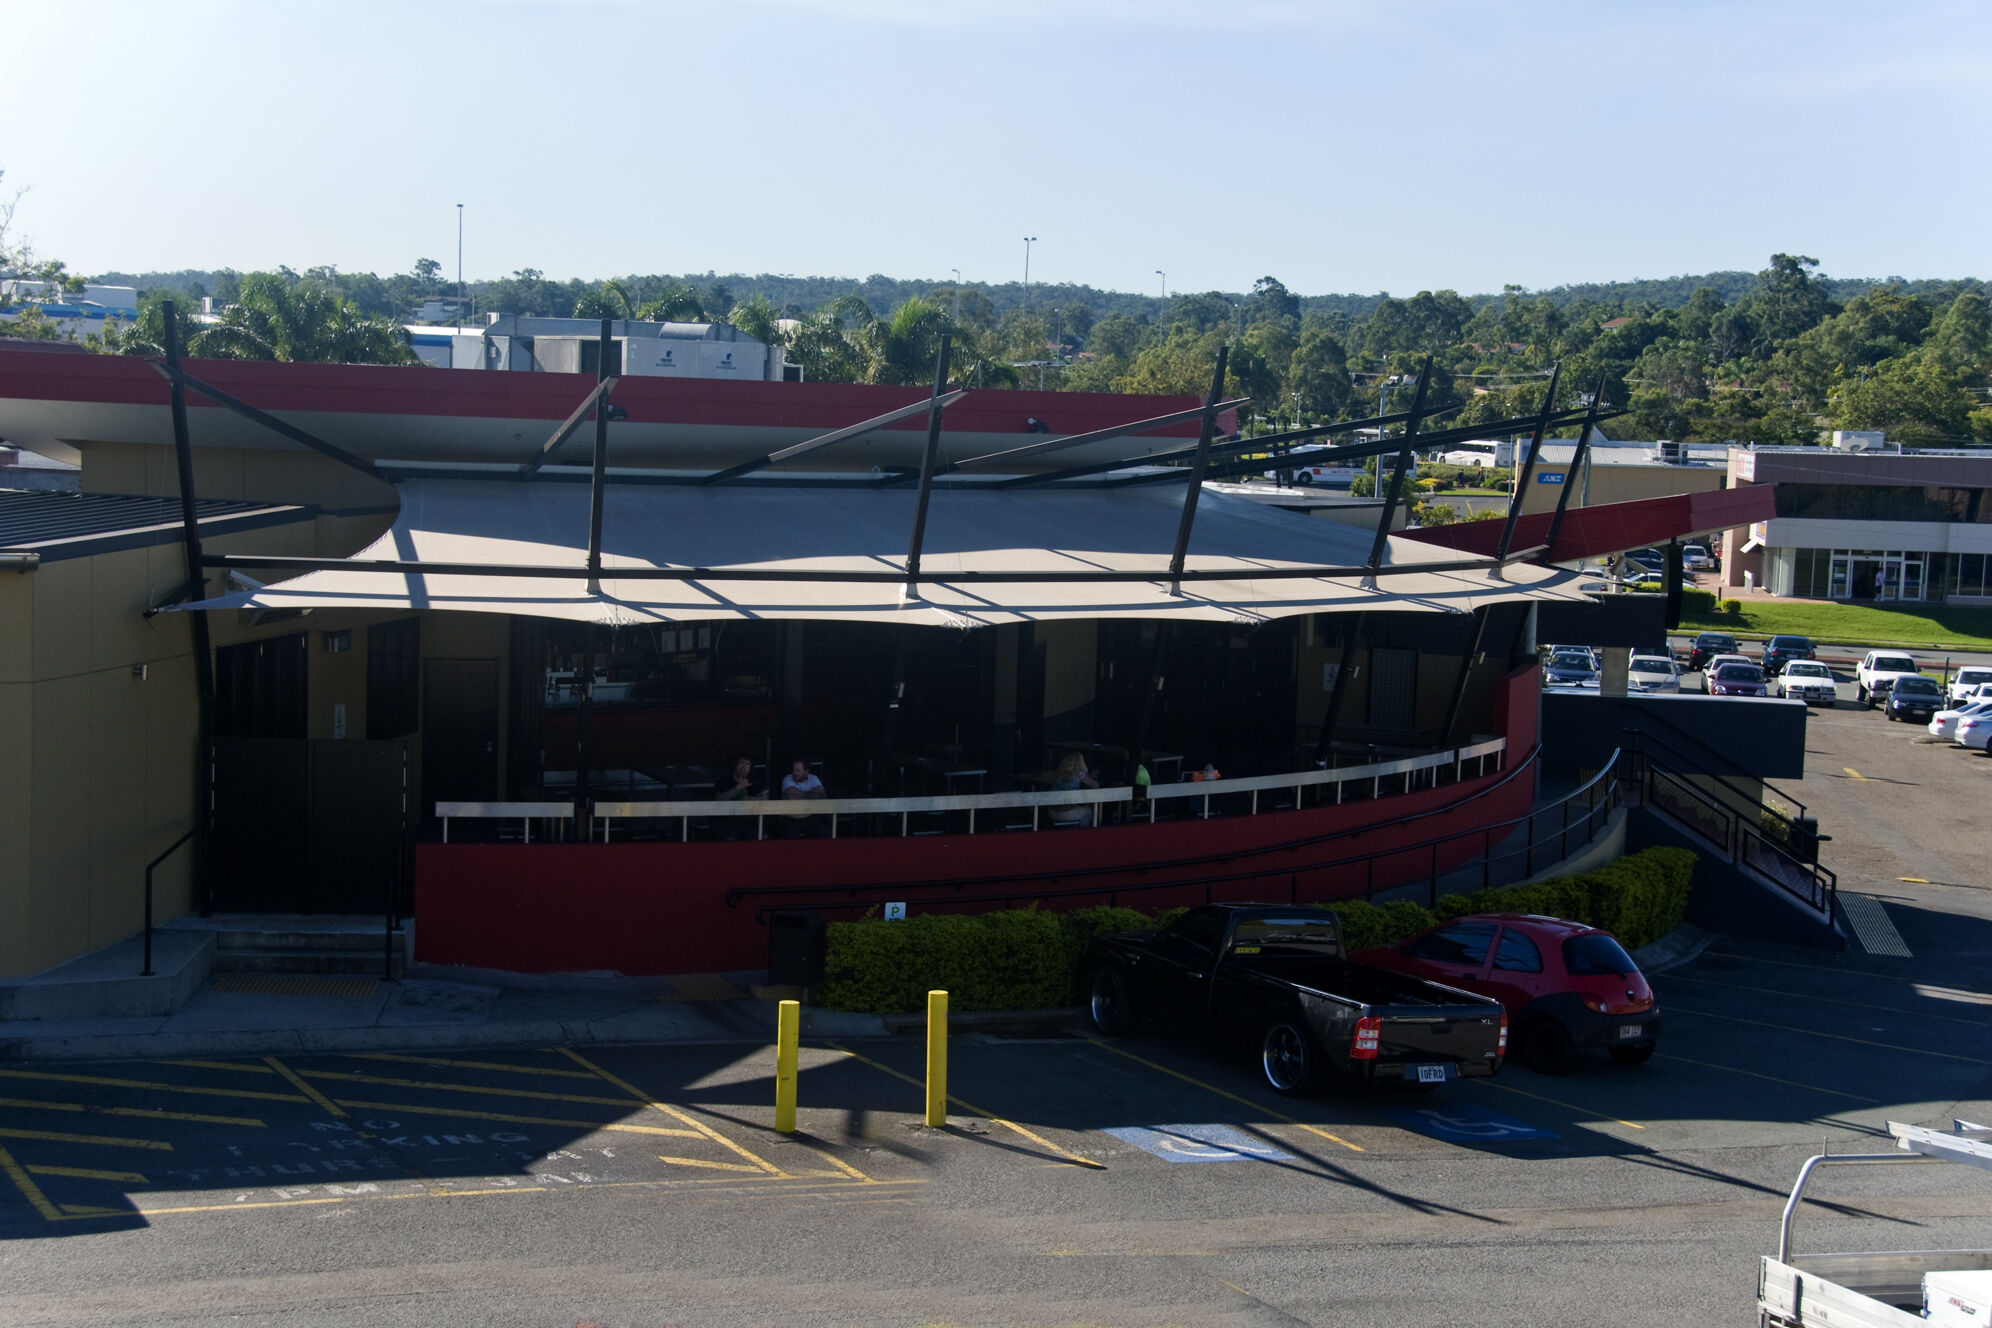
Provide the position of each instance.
(260, 834)
(459, 732)
(357, 815)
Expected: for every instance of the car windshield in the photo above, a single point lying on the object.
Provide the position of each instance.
(1807, 669)
(1571, 662)
(1739, 673)
(1596, 955)
(1916, 686)
(1972, 677)
(1647, 664)
(1894, 664)
(1711, 641)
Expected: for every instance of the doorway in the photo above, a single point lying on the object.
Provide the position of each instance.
(459, 732)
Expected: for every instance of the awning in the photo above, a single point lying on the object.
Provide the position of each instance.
(809, 549)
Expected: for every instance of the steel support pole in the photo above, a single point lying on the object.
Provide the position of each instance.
(1197, 469)
(196, 587)
(1351, 637)
(1527, 471)
(911, 590)
(1397, 475)
(601, 464)
(1576, 461)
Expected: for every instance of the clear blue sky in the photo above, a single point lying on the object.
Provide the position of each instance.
(1340, 147)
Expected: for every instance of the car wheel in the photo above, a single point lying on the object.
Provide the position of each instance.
(1546, 1047)
(1303, 477)
(1637, 1053)
(1110, 1004)
(1861, 695)
(1288, 1058)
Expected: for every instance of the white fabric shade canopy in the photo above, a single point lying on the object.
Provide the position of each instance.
(779, 528)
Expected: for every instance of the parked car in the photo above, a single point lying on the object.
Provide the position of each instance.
(1653, 673)
(1707, 646)
(1570, 668)
(1281, 977)
(1717, 661)
(1696, 558)
(1564, 985)
(1965, 683)
(1877, 672)
(1913, 697)
(1807, 680)
(1737, 679)
(1782, 650)
(1973, 731)
(1944, 723)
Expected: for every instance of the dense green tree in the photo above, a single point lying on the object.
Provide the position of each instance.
(1788, 301)
(1319, 371)
(1914, 400)
(275, 318)
(1961, 341)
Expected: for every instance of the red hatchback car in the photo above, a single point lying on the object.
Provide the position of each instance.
(1565, 985)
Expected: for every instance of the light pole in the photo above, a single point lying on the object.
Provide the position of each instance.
(1029, 240)
(459, 266)
(1165, 284)
(957, 308)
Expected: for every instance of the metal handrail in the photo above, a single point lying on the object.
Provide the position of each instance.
(738, 893)
(1600, 794)
(1739, 835)
(146, 970)
(1649, 716)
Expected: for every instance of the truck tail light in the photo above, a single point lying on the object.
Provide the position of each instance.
(1501, 1047)
(1369, 1032)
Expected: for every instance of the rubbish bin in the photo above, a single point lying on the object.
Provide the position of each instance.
(795, 949)
(1749, 580)
(1804, 841)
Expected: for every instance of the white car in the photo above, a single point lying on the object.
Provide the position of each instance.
(1806, 680)
(1694, 558)
(1944, 723)
(1877, 672)
(1653, 673)
(1968, 683)
(1973, 731)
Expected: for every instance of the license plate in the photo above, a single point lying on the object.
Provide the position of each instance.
(1427, 1074)
(1632, 1030)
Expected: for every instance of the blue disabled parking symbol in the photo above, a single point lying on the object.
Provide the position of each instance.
(1199, 1143)
(1468, 1125)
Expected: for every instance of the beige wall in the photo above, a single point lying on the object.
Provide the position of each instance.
(1622, 484)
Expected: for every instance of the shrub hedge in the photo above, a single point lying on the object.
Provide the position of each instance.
(1697, 603)
(1024, 959)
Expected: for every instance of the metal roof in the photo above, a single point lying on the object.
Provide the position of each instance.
(76, 525)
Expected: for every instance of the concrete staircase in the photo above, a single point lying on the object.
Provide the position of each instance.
(294, 946)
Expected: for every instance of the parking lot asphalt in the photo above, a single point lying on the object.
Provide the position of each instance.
(1149, 1180)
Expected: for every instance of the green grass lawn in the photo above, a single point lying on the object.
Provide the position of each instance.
(1934, 625)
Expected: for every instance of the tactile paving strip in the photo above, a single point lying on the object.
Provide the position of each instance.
(1872, 928)
(274, 986)
(702, 987)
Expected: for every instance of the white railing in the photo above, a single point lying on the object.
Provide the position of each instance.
(1006, 811)
(525, 813)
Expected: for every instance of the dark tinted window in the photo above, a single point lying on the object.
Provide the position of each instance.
(1790, 643)
(1715, 641)
(1462, 943)
(1739, 673)
(1517, 954)
(1596, 955)
(1314, 933)
(1200, 929)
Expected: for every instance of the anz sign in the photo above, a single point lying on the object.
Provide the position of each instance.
(1549, 477)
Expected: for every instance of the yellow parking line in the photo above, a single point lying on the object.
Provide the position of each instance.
(30, 1191)
(473, 1065)
(1856, 774)
(109, 1141)
(303, 1087)
(84, 1173)
(1213, 1088)
(1567, 1106)
(243, 1066)
(146, 1113)
(1828, 1000)
(149, 1084)
(713, 1166)
(1794, 1083)
(1034, 1137)
(346, 1078)
(672, 1111)
(405, 1109)
(1837, 1037)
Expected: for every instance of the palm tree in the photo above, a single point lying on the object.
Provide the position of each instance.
(675, 303)
(275, 319)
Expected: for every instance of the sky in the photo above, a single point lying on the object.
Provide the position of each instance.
(1340, 147)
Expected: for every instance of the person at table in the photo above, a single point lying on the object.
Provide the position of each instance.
(740, 785)
(800, 783)
(1071, 776)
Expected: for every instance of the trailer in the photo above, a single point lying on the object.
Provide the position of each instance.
(1882, 1288)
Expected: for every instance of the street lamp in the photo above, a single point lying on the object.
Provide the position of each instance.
(1165, 284)
(459, 265)
(1029, 240)
(957, 308)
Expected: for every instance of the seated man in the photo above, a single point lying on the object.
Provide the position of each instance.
(800, 783)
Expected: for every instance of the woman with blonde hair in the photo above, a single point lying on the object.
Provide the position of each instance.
(1071, 776)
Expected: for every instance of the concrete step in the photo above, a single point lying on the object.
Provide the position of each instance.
(247, 938)
(303, 960)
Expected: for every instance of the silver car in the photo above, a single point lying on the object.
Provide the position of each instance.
(1653, 673)
(1809, 681)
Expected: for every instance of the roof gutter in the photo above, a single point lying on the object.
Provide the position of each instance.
(20, 562)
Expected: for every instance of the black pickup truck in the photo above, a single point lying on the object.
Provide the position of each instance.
(1278, 975)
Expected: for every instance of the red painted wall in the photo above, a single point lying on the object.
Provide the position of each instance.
(661, 908)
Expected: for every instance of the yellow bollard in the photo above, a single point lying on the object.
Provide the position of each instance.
(937, 1058)
(788, 1022)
